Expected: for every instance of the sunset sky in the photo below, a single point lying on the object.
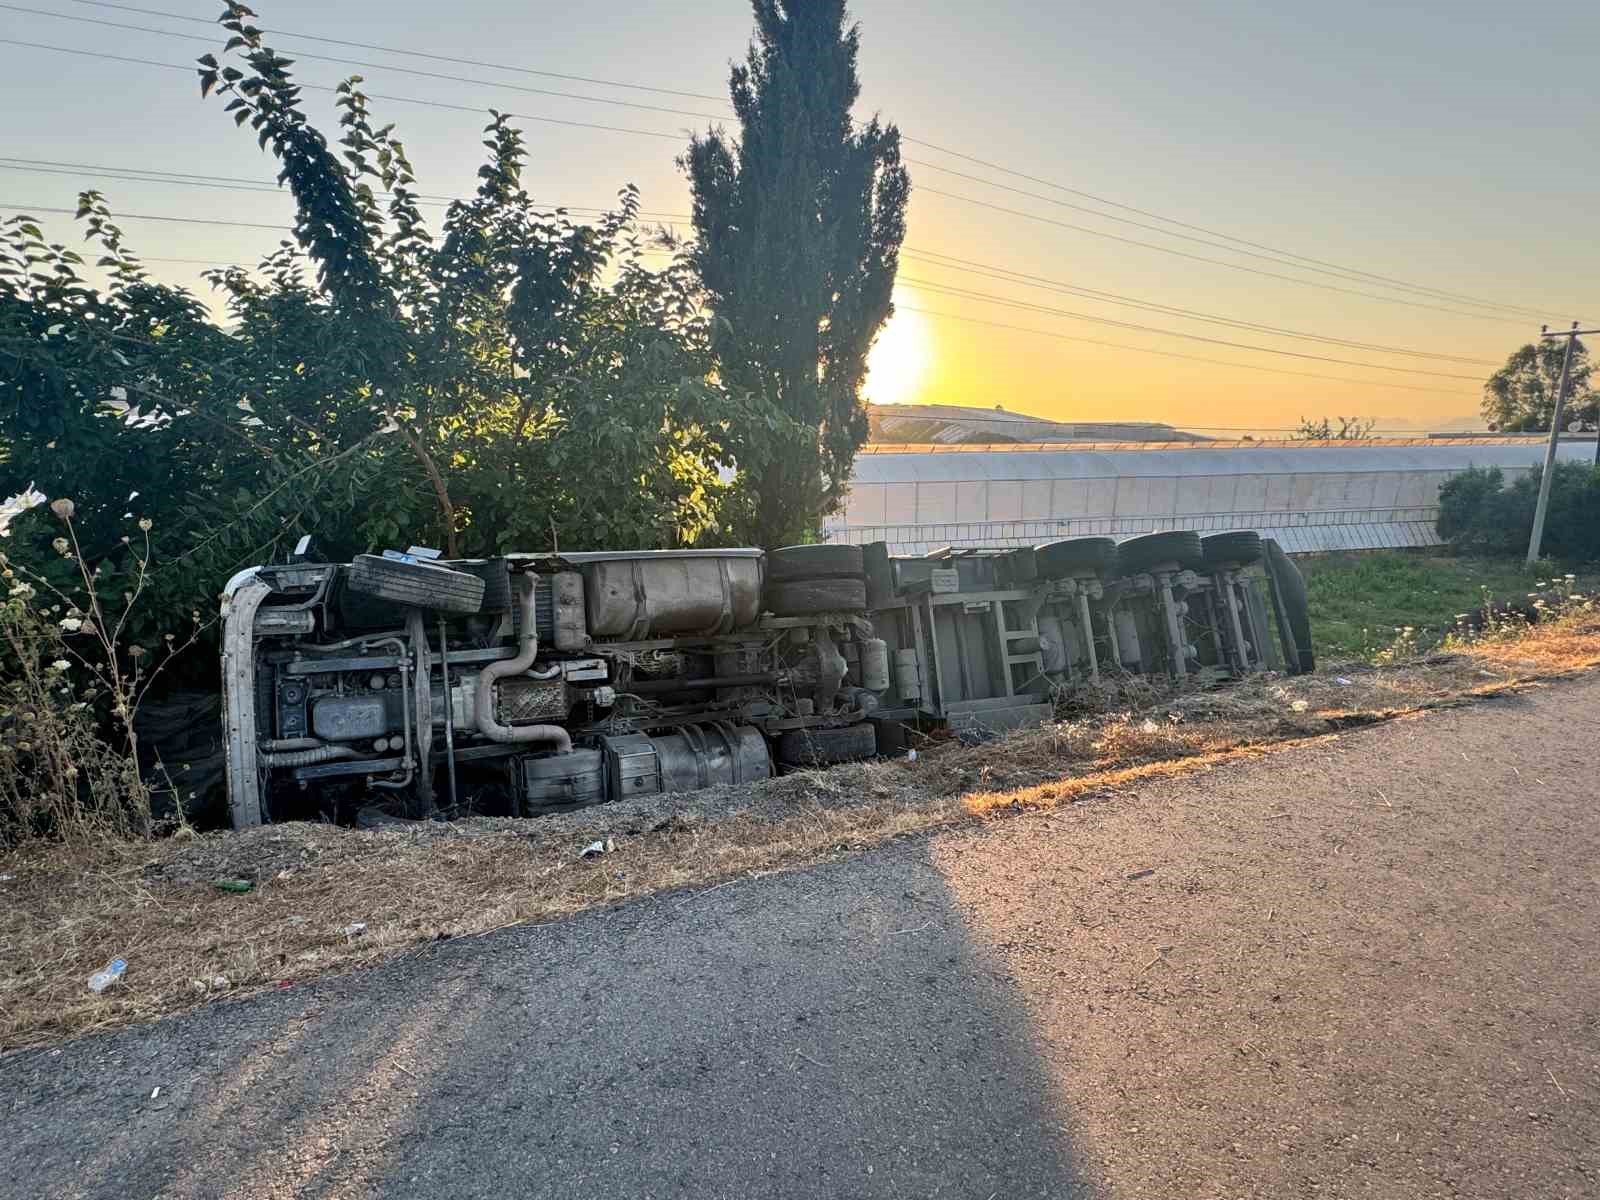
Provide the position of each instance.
(1439, 144)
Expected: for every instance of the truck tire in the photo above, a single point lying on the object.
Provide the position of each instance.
(1057, 560)
(1238, 549)
(418, 585)
(880, 574)
(496, 578)
(828, 747)
(824, 560)
(805, 597)
(1139, 554)
(1293, 610)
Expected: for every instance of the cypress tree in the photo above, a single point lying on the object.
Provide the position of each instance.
(799, 225)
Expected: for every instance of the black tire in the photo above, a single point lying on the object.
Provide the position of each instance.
(496, 578)
(1239, 549)
(183, 758)
(828, 747)
(880, 574)
(821, 561)
(804, 597)
(1294, 613)
(1140, 554)
(1057, 560)
(419, 585)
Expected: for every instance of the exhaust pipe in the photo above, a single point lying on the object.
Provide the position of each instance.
(483, 718)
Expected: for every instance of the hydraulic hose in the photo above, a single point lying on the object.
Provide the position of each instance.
(308, 758)
(272, 745)
(483, 716)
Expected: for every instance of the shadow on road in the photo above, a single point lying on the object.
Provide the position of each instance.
(799, 1035)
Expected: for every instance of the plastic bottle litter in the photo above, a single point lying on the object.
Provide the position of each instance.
(107, 975)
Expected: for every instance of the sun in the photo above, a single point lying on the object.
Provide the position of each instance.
(899, 360)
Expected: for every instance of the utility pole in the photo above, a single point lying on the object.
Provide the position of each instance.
(1572, 335)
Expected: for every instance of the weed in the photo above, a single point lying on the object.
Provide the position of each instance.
(70, 688)
(1361, 603)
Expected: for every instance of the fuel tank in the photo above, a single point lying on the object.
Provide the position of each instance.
(659, 593)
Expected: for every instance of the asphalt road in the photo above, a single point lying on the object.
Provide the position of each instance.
(1364, 968)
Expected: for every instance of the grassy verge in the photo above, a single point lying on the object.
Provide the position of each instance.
(326, 899)
(1359, 600)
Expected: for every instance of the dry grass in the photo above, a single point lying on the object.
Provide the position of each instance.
(66, 910)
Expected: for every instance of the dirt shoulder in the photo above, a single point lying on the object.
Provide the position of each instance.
(325, 899)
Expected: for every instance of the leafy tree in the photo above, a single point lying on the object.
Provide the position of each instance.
(113, 397)
(1350, 429)
(522, 382)
(510, 380)
(1480, 514)
(800, 222)
(1521, 396)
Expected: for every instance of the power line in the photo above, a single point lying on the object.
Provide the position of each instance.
(187, 179)
(1222, 362)
(194, 180)
(993, 166)
(934, 258)
(968, 266)
(906, 307)
(923, 188)
(462, 62)
(926, 285)
(990, 165)
(122, 216)
(315, 87)
(1216, 262)
(1303, 262)
(1278, 257)
(937, 148)
(371, 66)
(72, 212)
(989, 298)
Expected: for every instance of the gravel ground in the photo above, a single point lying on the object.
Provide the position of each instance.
(1360, 968)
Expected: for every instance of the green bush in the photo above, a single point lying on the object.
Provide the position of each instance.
(1479, 514)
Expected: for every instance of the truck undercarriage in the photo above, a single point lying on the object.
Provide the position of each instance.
(533, 683)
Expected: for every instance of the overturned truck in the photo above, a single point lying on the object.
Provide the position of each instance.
(526, 684)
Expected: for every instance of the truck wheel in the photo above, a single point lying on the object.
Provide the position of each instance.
(824, 560)
(1057, 560)
(805, 597)
(880, 574)
(419, 585)
(1294, 627)
(1238, 549)
(1152, 549)
(496, 581)
(827, 747)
